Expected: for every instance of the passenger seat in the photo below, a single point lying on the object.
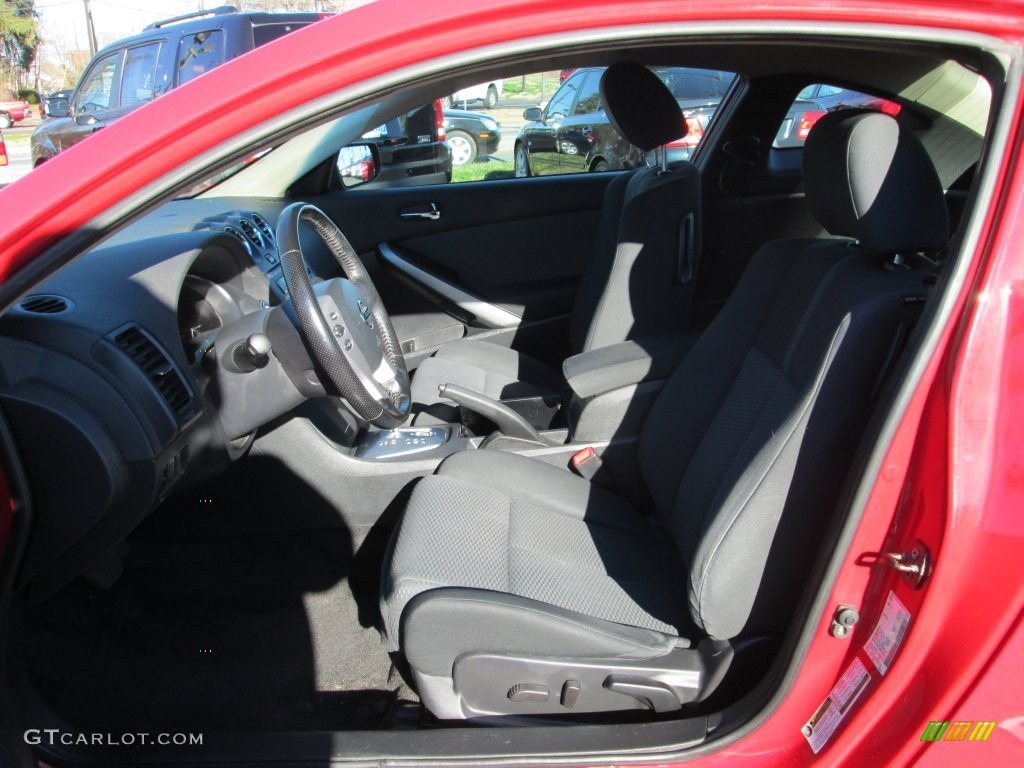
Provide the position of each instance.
(639, 281)
(513, 587)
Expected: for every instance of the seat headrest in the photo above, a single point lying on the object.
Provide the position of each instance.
(868, 177)
(640, 106)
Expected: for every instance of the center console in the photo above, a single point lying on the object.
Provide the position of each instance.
(362, 468)
(401, 442)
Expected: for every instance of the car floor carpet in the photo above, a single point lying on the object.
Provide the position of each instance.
(222, 632)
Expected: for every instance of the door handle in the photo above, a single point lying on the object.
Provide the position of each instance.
(428, 211)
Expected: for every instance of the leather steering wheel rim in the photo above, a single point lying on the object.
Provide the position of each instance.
(389, 406)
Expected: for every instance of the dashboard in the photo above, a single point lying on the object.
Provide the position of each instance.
(117, 374)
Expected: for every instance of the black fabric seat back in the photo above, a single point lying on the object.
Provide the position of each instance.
(640, 279)
(747, 447)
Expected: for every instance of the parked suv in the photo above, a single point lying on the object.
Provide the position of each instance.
(134, 71)
(412, 149)
(131, 72)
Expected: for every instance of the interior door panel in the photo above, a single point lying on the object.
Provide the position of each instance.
(502, 257)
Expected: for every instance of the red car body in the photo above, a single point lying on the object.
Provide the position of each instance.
(952, 477)
(15, 110)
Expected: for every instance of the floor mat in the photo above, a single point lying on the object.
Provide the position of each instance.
(256, 630)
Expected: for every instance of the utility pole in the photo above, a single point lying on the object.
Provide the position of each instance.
(90, 29)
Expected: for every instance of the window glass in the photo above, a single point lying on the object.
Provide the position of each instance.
(138, 79)
(96, 92)
(590, 95)
(519, 136)
(416, 127)
(561, 103)
(410, 149)
(817, 100)
(695, 84)
(199, 53)
(264, 33)
(573, 133)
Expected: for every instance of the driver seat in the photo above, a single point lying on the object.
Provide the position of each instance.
(639, 280)
(514, 587)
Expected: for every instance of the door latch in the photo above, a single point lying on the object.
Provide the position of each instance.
(915, 564)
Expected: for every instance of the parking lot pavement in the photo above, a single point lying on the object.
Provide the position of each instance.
(509, 114)
(18, 153)
(19, 159)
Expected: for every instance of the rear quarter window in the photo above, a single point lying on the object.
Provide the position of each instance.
(264, 33)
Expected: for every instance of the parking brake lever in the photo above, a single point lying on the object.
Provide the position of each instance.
(509, 423)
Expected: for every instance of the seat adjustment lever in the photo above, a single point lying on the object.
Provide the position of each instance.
(652, 694)
(528, 692)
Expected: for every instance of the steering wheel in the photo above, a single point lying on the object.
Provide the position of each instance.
(343, 322)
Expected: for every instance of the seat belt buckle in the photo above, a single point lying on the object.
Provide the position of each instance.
(586, 463)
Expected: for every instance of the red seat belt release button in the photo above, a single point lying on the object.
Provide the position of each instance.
(586, 463)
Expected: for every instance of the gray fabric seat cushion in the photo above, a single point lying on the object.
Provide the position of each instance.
(498, 521)
(489, 369)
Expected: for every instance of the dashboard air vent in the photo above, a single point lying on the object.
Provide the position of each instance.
(264, 227)
(251, 233)
(44, 305)
(158, 369)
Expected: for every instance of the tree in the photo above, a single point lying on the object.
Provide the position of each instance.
(19, 40)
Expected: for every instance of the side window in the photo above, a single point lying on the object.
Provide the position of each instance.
(561, 103)
(573, 133)
(96, 93)
(138, 78)
(696, 85)
(517, 137)
(199, 53)
(590, 96)
(264, 33)
(817, 100)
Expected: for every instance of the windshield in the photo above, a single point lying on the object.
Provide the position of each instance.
(210, 182)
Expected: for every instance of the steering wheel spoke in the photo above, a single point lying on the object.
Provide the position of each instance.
(343, 322)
